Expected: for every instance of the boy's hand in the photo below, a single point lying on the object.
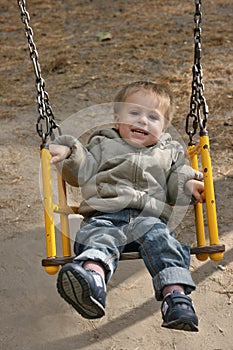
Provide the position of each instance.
(196, 188)
(59, 152)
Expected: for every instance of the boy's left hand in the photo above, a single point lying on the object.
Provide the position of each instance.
(196, 188)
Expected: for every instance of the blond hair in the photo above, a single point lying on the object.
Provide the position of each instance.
(167, 102)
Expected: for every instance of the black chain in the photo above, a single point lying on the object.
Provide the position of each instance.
(198, 114)
(46, 120)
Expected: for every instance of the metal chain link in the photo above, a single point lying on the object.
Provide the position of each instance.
(198, 114)
(46, 120)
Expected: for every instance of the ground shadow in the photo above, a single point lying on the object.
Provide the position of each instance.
(128, 319)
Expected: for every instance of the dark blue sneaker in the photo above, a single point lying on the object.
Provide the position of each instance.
(178, 312)
(84, 289)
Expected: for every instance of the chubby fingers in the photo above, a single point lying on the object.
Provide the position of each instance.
(58, 153)
(198, 196)
(196, 188)
(198, 191)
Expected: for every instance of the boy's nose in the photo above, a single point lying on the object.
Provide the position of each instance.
(143, 119)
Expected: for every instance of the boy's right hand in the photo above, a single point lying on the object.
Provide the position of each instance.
(59, 153)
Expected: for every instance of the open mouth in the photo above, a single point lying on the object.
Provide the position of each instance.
(140, 132)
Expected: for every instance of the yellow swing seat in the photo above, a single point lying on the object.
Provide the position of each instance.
(51, 264)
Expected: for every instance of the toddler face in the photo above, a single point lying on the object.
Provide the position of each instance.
(140, 120)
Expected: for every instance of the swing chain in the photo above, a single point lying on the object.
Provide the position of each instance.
(46, 120)
(198, 106)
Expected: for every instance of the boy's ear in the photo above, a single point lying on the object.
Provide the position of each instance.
(166, 125)
(116, 121)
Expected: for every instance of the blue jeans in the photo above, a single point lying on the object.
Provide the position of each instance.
(105, 236)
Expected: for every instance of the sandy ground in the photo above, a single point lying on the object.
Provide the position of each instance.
(150, 40)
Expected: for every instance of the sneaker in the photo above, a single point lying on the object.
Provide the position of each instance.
(178, 312)
(84, 289)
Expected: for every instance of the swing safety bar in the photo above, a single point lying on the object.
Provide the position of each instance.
(203, 148)
(202, 251)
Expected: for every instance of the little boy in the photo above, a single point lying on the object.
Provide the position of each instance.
(130, 176)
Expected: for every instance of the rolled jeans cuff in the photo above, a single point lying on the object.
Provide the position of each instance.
(173, 275)
(97, 255)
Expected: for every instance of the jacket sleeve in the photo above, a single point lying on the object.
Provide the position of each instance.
(82, 163)
(180, 173)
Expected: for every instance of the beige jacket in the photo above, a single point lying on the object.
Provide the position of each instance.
(114, 175)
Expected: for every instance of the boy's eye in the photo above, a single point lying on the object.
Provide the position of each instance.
(134, 113)
(153, 117)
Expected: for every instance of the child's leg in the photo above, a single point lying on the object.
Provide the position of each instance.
(169, 289)
(168, 263)
(99, 243)
(97, 249)
(166, 259)
(95, 266)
